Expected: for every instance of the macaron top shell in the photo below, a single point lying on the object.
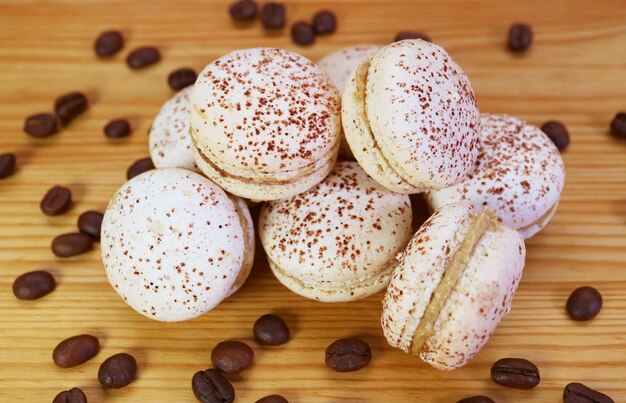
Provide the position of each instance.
(172, 244)
(340, 64)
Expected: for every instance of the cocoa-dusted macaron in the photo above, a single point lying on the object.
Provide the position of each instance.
(265, 123)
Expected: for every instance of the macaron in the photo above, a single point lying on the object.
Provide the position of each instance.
(170, 141)
(452, 285)
(174, 244)
(411, 118)
(519, 174)
(265, 123)
(337, 241)
(339, 65)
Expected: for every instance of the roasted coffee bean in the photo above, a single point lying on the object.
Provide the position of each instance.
(271, 330)
(7, 165)
(302, 33)
(324, 22)
(557, 132)
(109, 43)
(520, 37)
(73, 395)
(139, 167)
(90, 223)
(346, 355)
(69, 106)
(33, 285)
(272, 399)
(56, 201)
(117, 371)
(41, 125)
(75, 350)
(579, 393)
(143, 57)
(72, 244)
(515, 373)
(476, 399)
(243, 10)
(211, 387)
(400, 36)
(584, 303)
(618, 125)
(181, 78)
(117, 128)
(232, 357)
(273, 15)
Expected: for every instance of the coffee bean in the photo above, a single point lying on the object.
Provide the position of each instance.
(139, 167)
(117, 128)
(181, 78)
(302, 33)
(584, 303)
(90, 223)
(41, 125)
(109, 43)
(56, 201)
(69, 106)
(579, 393)
(232, 357)
(33, 285)
(401, 36)
(75, 350)
(346, 355)
(557, 132)
(618, 125)
(271, 330)
(324, 22)
(476, 399)
(117, 371)
(273, 15)
(73, 395)
(520, 37)
(72, 244)
(515, 373)
(143, 57)
(272, 399)
(243, 10)
(7, 165)
(211, 387)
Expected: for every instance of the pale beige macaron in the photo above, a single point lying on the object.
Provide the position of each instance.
(265, 123)
(337, 241)
(452, 286)
(411, 118)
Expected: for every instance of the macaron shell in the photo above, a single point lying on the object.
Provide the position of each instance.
(248, 229)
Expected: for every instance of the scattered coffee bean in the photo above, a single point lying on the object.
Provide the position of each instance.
(109, 43)
(271, 330)
(7, 165)
(579, 393)
(520, 37)
(211, 387)
(56, 201)
(302, 33)
(117, 371)
(117, 128)
(143, 57)
(273, 15)
(33, 285)
(346, 355)
(400, 36)
(515, 373)
(618, 125)
(324, 22)
(139, 167)
(232, 357)
(75, 350)
(272, 399)
(557, 132)
(74, 395)
(41, 125)
(243, 10)
(584, 303)
(181, 78)
(90, 223)
(476, 399)
(72, 244)
(69, 106)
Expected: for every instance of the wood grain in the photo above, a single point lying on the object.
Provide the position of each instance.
(576, 72)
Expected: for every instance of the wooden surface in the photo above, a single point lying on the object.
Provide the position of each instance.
(576, 72)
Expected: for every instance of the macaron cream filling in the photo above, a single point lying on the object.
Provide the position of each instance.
(247, 228)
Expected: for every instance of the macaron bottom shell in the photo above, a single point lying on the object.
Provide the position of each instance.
(531, 230)
(247, 225)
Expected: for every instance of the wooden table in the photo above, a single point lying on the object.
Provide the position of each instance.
(576, 72)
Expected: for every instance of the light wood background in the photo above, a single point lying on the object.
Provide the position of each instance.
(576, 72)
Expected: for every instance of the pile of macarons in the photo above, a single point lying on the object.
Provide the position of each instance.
(332, 151)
